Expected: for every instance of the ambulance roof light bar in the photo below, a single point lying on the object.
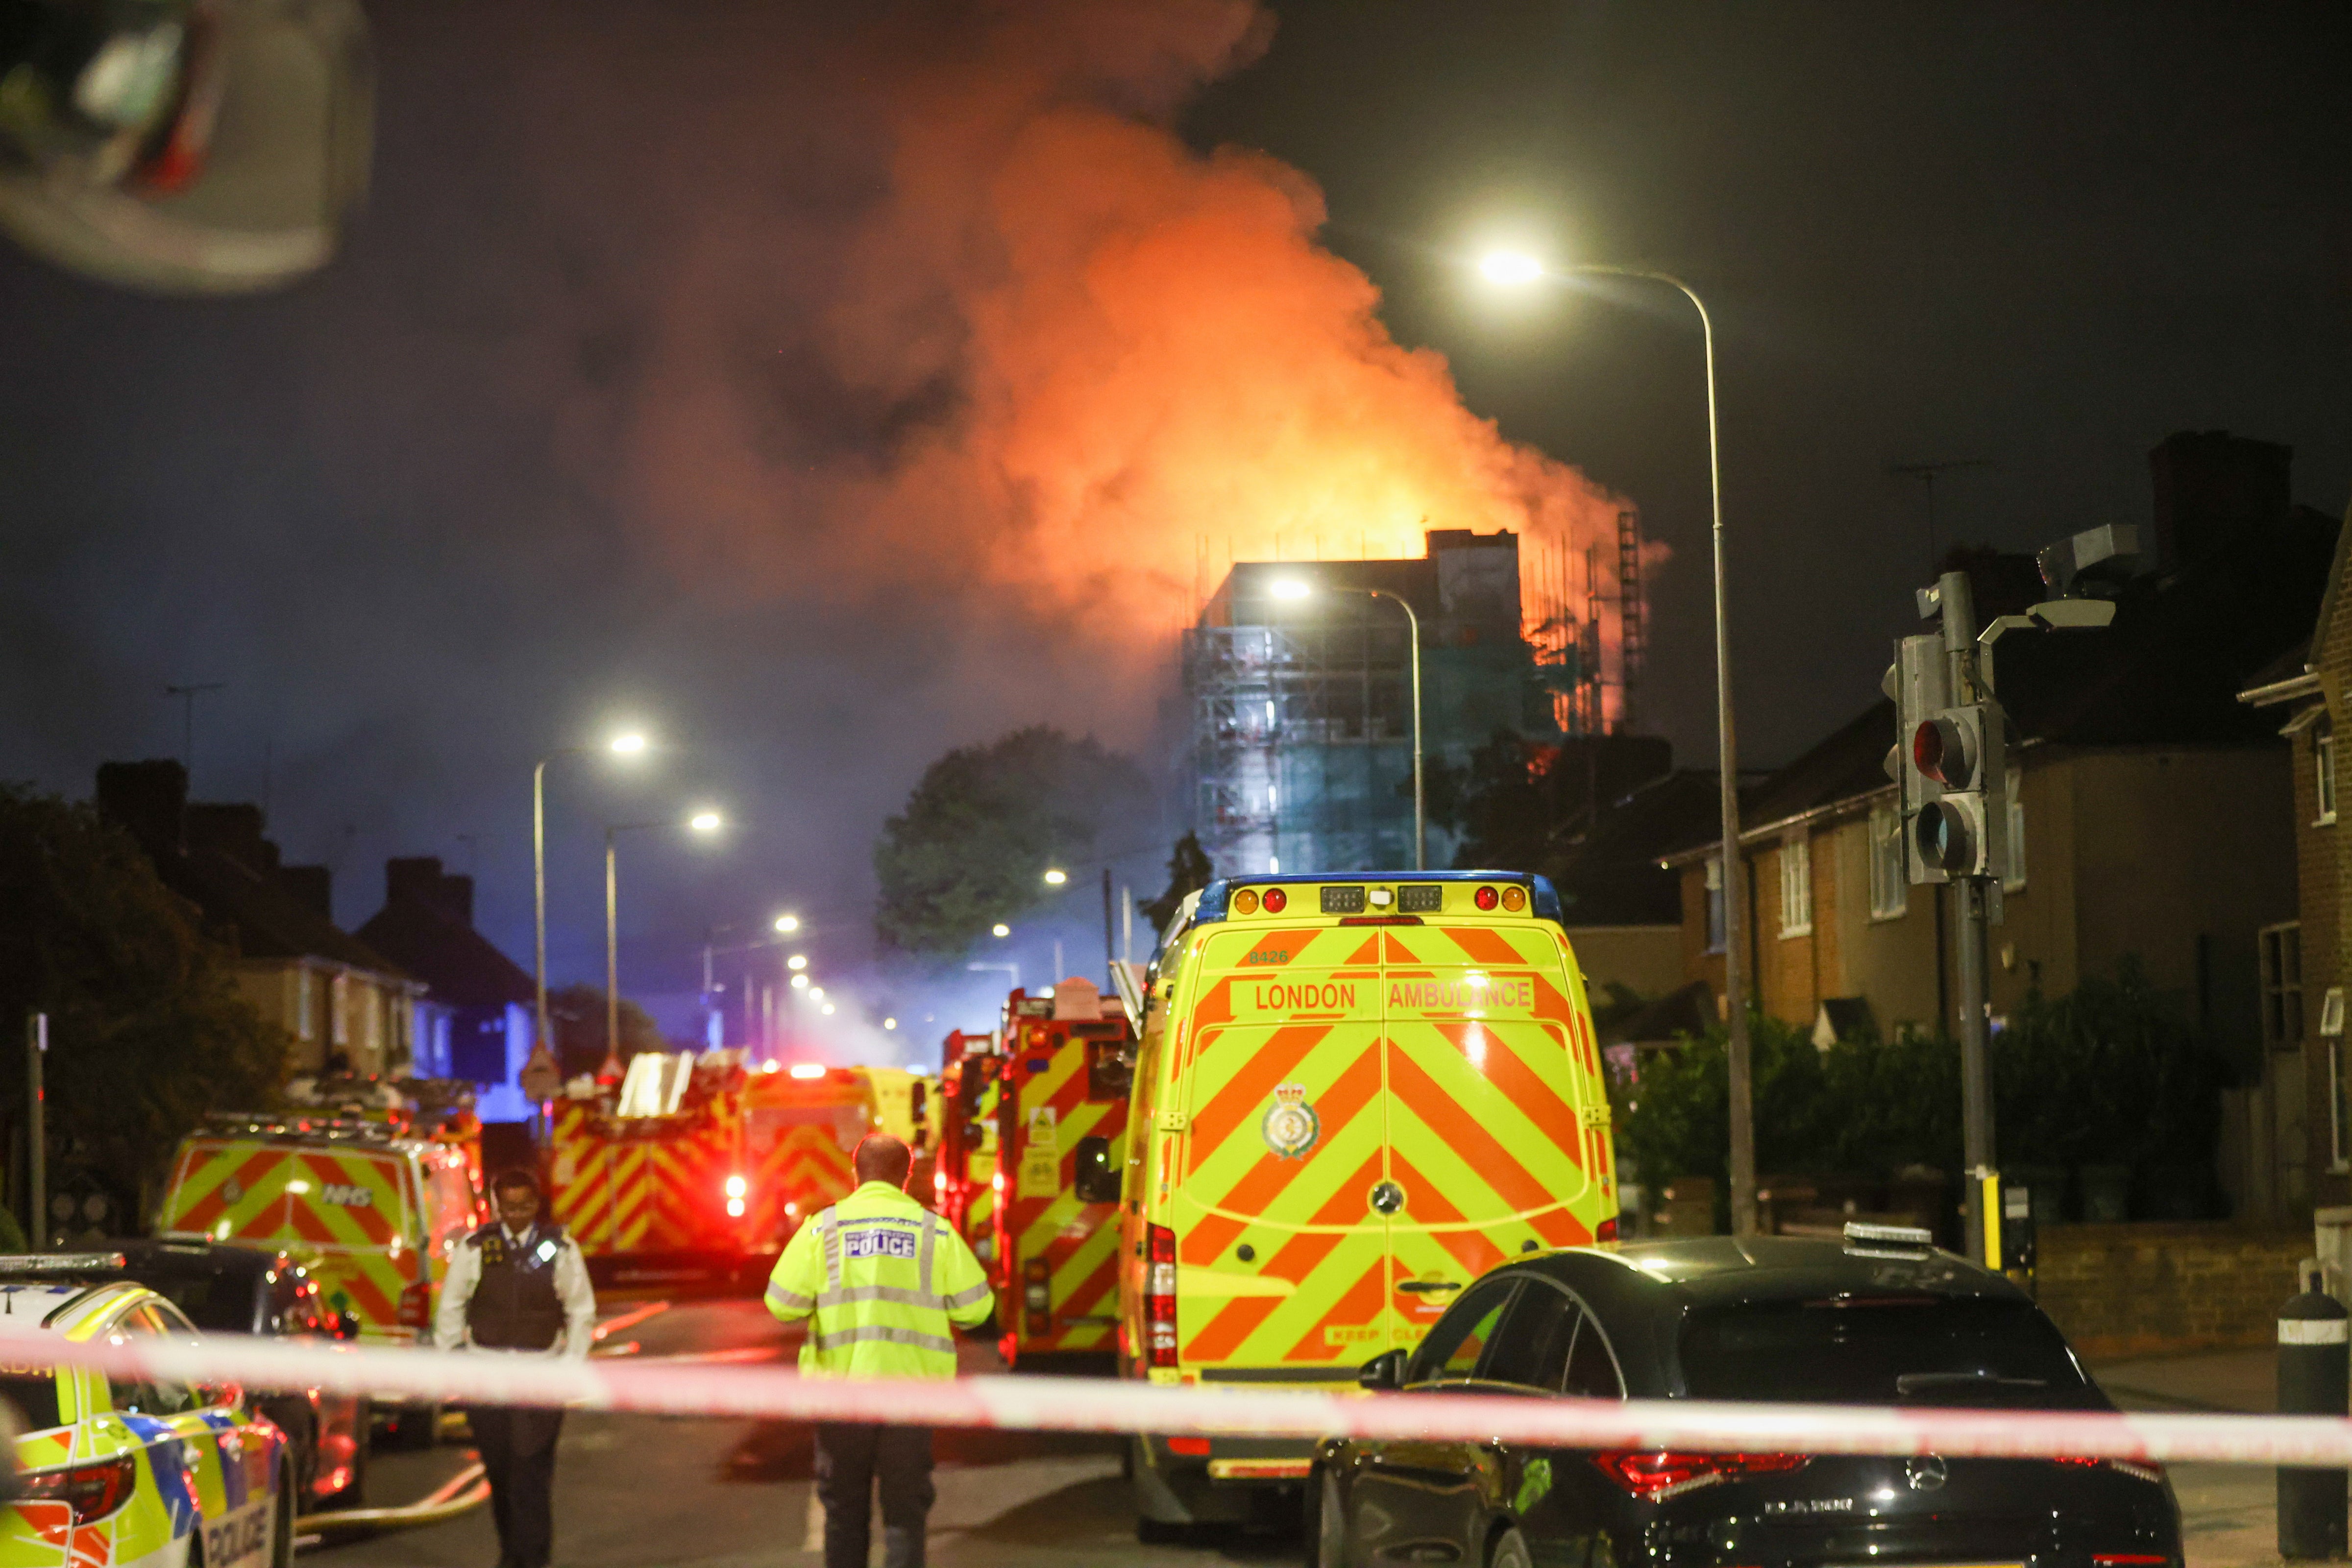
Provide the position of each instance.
(1216, 899)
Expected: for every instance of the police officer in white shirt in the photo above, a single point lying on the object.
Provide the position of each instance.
(518, 1286)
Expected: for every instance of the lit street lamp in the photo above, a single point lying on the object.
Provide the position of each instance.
(704, 822)
(1000, 928)
(1301, 588)
(787, 924)
(1514, 269)
(1055, 876)
(797, 961)
(628, 744)
(800, 982)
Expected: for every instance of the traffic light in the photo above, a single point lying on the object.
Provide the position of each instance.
(1964, 830)
(1917, 683)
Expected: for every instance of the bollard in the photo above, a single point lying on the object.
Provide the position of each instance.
(2315, 1356)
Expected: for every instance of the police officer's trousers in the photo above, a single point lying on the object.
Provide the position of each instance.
(851, 1458)
(518, 1449)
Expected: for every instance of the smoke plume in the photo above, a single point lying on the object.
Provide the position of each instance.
(1092, 364)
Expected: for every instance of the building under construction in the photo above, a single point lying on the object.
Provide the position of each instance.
(1298, 745)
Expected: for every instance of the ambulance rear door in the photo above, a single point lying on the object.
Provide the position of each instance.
(1496, 1116)
(1282, 1265)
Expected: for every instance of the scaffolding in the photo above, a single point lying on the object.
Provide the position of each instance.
(1299, 752)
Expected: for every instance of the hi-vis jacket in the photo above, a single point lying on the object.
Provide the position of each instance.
(883, 1278)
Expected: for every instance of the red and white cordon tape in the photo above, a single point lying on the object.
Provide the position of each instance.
(653, 1387)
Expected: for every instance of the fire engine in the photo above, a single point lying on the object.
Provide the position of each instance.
(1063, 1076)
(703, 1166)
(965, 1182)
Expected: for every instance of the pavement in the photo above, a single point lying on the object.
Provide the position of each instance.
(2228, 1513)
(634, 1491)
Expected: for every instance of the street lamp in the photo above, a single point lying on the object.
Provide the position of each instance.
(1055, 876)
(627, 743)
(705, 821)
(1000, 928)
(1301, 588)
(788, 924)
(797, 961)
(800, 982)
(1517, 268)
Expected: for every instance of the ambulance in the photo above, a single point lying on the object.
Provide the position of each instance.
(1064, 1078)
(1354, 1095)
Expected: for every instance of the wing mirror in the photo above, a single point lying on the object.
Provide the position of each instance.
(1384, 1373)
(1097, 1179)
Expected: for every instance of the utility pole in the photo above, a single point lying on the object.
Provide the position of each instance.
(1110, 933)
(187, 695)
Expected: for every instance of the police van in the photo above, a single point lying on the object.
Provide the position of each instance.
(1353, 1095)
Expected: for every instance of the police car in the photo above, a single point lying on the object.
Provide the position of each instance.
(129, 1471)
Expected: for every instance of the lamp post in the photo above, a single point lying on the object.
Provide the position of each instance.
(628, 744)
(700, 822)
(1514, 268)
(1301, 588)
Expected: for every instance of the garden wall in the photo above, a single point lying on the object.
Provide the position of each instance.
(2148, 1288)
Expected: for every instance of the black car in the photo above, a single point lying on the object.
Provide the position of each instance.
(1879, 1320)
(228, 1289)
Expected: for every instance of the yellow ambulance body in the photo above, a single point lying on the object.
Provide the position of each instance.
(1354, 1095)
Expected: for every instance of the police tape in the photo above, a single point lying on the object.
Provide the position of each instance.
(654, 1386)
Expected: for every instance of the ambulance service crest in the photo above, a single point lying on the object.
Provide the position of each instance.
(1291, 1126)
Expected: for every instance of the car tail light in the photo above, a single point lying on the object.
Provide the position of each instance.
(1160, 1298)
(92, 1490)
(417, 1306)
(1605, 1231)
(2132, 1467)
(1192, 1447)
(1655, 1476)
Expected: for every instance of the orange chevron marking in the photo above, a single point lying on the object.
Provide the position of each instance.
(1446, 1116)
(1358, 1304)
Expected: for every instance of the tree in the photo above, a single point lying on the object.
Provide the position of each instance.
(147, 1032)
(1501, 805)
(972, 845)
(1189, 871)
(575, 1016)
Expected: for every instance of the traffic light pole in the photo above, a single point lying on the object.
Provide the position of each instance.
(1957, 603)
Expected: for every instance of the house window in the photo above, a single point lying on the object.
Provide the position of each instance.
(2322, 774)
(2282, 967)
(1890, 874)
(2012, 875)
(1796, 887)
(1714, 905)
(339, 1010)
(2339, 1104)
(305, 1024)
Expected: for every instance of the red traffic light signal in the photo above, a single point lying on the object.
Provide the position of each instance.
(1942, 748)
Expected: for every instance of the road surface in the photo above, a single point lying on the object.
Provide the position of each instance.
(635, 1491)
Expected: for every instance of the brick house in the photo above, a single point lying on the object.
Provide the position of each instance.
(2302, 956)
(2139, 787)
(337, 997)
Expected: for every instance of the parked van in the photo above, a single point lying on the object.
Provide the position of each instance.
(1354, 1095)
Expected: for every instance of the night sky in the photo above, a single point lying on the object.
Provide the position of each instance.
(616, 405)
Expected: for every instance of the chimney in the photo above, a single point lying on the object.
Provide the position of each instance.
(313, 888)
(234, 830)
(419, 879)
(2215, 491)
(150, 799)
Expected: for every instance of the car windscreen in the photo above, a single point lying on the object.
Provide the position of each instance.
(1900, 1349)
(217, 1303)
(33, 1392)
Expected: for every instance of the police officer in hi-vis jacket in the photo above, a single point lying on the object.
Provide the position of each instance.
(881, 1279)
(517, 1286)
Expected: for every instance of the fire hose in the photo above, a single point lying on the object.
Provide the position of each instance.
(652, 1385)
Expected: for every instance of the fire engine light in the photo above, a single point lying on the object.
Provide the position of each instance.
(788, 924)
(1275, 898)
(797, 963)
(997, 1182)
(939, 1183)
(808, 1069)
(1055, 876)
(771, 1066)
(737, 1186)
(734, 1208)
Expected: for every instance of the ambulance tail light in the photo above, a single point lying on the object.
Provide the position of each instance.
(1605, 1231)
(92, 1490)
(1160, 1298)
(417, 1306)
